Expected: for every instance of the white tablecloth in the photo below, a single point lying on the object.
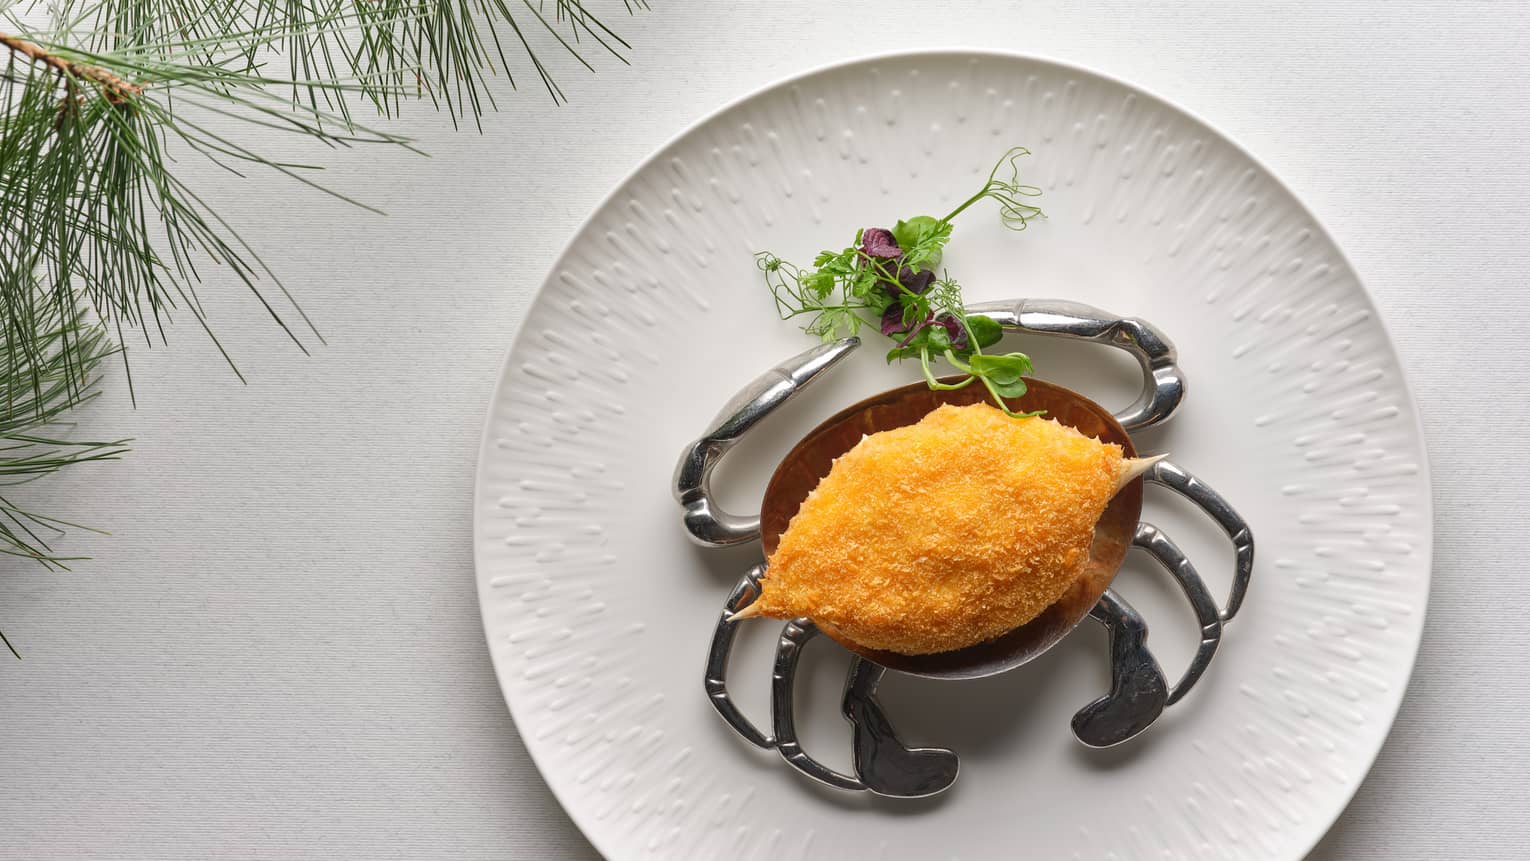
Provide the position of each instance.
(278, 651)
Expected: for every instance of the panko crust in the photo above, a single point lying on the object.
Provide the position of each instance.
(945, 533)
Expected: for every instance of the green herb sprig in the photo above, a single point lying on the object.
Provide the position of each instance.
(887, 280)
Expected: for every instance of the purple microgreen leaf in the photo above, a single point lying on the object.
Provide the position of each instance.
(954, 330)
(878, 242)
(912, 280)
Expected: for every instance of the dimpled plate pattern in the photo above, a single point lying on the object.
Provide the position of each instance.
(598, 612)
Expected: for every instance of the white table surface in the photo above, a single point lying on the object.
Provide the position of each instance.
(278, 653)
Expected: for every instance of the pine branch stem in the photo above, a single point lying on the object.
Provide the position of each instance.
(115, 88)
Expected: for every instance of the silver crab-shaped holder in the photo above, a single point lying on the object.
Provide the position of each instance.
(1138, 693)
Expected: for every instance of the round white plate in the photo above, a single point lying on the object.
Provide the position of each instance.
(598, 611)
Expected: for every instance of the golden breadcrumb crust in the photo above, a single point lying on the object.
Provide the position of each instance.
(945, 533)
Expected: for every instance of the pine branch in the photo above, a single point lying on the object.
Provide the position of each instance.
(94, 110)
(443, 50)
(97, 221)
(89, 195)
(113, 86)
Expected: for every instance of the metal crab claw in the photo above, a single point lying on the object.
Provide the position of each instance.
(707, 524)
(885, 764)
(1163, 382)
(1138, 693)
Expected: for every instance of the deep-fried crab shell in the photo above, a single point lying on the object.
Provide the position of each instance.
(946, 533)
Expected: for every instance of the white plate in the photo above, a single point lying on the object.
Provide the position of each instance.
(598, 611)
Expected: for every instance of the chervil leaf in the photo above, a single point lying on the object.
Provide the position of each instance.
(820, 283)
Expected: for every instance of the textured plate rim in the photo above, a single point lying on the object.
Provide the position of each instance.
(486, 437)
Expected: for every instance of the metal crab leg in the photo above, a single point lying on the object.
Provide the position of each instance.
(1153, 540)
(723, 636)
(1138, 693)
(1168, 554)
(794, 636)
(1163, 382)
(708, 524)
(1170, 475)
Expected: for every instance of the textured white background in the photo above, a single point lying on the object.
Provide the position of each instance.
(278, 652)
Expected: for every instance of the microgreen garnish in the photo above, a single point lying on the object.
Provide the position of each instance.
(887, 280)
